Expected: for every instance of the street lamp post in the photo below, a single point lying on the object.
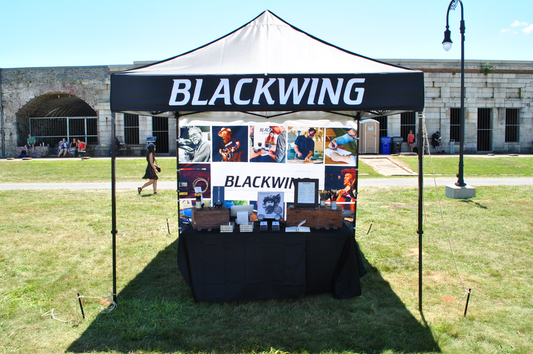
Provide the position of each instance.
(447, 44)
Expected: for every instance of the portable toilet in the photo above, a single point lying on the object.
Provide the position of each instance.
(369, 136)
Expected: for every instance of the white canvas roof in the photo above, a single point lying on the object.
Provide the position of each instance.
(267, 45)
(267, 65)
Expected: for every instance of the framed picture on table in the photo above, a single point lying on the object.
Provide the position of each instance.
(306, 193)
(270, 205)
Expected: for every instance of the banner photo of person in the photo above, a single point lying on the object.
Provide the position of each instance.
(341, 146)
(230, 143)
(340, 183)
(249, 157)
(268, 143)
(195, 144)
(306, 145)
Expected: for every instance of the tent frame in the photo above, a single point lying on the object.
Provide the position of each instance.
(277, 111)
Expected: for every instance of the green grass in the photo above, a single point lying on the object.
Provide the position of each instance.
(488, 166)
(128, 169)
(75, 170)
(57, 243)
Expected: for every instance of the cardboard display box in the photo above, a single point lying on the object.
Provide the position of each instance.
(320, 218)
(209, 218)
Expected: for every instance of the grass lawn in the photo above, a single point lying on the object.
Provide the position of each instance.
(75, 170)
(474, 166)
(132, 169)
(58, 243)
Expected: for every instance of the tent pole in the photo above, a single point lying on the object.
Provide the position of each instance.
(358, 121)
(177, 115)
(113, 206)
(2, 118)
(420, 204)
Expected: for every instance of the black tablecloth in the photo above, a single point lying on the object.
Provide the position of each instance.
(262, 265)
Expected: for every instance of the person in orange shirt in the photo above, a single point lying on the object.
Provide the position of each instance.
(81, 146)
(411, 139)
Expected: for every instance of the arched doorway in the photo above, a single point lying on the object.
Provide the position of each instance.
(53, 116)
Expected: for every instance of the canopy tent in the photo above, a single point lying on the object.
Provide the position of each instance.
(266, 68)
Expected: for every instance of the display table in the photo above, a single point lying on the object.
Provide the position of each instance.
(263, 265)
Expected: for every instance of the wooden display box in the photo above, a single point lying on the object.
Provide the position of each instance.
(319, 218)
(209, 218)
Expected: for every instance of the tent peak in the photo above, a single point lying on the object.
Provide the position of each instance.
(267, 44)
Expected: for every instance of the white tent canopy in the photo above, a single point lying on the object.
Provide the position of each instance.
(265, 66)
(267, 45)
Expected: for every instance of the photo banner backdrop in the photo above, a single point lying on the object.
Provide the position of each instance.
(249, 157)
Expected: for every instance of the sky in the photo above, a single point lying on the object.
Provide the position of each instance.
(37, 33)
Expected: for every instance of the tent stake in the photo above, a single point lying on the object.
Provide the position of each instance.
(81, 306)
(370, 228)
(467, 300)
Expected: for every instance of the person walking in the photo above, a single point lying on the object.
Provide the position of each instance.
(151, 170)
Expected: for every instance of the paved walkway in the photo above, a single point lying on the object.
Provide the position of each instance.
(363, 182)
(387, 166)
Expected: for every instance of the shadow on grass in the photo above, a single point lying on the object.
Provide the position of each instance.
(156, 312)
(469, 201)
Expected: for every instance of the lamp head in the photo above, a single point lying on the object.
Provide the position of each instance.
(447, 42)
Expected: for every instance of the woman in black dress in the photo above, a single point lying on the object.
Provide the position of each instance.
(151, 170)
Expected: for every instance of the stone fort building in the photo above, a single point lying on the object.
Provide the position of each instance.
(73, 102)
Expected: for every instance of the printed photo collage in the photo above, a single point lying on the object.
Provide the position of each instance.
(334, 148)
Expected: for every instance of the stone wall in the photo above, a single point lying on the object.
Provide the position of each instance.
(22, 86)
(497, 85)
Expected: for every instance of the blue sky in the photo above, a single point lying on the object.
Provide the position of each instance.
(97, 32)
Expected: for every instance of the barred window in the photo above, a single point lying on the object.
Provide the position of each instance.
(512, 125)
(407, 123)
(160, 130)
(484, 129)
(455, 124)
(131, 128)
(383, 121)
